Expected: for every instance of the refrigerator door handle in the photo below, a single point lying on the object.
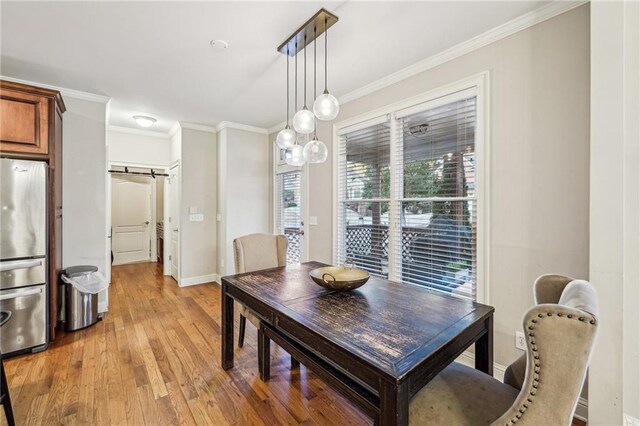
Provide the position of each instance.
(20, 264)
(24, 293)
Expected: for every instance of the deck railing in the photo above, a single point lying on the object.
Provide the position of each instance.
(368, 246)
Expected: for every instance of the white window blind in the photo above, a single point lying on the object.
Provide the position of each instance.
(363, 182)
(436, 165)
(413, 220)
(288, 214)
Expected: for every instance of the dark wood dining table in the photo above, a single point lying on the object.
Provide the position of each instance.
(378, 345)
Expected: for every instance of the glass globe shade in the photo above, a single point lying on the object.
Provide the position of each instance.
(326, 107)
(304, 121)
(315, 152)
(296, 156)
(286, 138)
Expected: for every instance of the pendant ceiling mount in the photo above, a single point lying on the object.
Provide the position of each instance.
(308, 32)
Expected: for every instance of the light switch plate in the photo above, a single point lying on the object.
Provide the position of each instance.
(313, 220)
(196, 218)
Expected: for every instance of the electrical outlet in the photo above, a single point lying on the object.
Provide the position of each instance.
(521, 342)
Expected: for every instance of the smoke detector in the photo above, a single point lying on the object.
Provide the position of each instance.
(219, 45)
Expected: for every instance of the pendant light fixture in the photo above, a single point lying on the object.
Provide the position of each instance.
(315, 151)
(304, 121)
(326, 106)
(286, 137)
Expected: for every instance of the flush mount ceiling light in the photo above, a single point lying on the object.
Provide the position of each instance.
(325, 106)
(144, 121)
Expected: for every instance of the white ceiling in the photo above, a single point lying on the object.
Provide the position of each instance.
(154, 58)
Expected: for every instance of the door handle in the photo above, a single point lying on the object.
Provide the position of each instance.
(147, 222)
(21, 294)
(20, 264)
(175, 230)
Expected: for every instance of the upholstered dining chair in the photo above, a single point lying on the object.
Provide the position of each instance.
(542, 387)
(252, 253)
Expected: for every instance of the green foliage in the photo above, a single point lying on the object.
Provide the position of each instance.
(422, 179)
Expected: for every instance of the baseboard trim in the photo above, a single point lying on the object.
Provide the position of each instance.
(468, 358)
(202, 279)
(582, 410)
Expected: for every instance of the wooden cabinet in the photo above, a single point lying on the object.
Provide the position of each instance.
(31, 129)
(25, 122)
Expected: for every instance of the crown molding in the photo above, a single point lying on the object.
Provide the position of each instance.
(194, 126)
(68, 93)
(277, 127)
(140, 132)
(525, 21)
(175, 129)
(231, 125)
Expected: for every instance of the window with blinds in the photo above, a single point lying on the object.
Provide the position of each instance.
(288, 214)
(408, 197)
(364, 197)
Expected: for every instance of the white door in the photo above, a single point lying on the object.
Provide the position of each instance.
(131, 220)
(290, 212)
(174, 221)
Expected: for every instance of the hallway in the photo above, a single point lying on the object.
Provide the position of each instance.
(154, 359)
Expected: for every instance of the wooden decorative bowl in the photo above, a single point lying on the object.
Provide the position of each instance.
(339, 277)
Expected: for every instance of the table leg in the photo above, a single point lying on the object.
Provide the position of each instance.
(227, 329)
(484, 349)
(264, 354)
(394, 404)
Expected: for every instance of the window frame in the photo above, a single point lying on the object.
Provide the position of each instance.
(476, 85)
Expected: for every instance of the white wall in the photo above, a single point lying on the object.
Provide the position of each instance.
(140, 149)
(615, 211)
(221, 194)
(198, 190)
(539, 160)
(244, 164)
(84, 236)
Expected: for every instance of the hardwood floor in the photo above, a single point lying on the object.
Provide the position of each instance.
(155, 359)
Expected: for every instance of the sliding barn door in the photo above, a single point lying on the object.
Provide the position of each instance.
(131, 220)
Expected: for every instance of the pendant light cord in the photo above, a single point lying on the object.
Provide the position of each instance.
(315, 38)
(315, 82)
(287, 87)
(305, 71)
(295, 98)
(326, 31)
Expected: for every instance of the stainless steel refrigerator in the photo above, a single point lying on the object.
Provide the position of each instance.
(23, 255)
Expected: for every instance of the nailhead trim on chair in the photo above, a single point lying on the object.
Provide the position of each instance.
(536, 356)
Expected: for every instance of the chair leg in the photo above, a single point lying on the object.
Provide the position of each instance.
(243, 325)
(6, 399)
(294, 363)
(264, 355)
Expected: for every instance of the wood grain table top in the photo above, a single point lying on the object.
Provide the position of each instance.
(393, 326)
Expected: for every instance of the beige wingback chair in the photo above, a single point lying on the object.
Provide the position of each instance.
(542, 387)
(252, 253)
